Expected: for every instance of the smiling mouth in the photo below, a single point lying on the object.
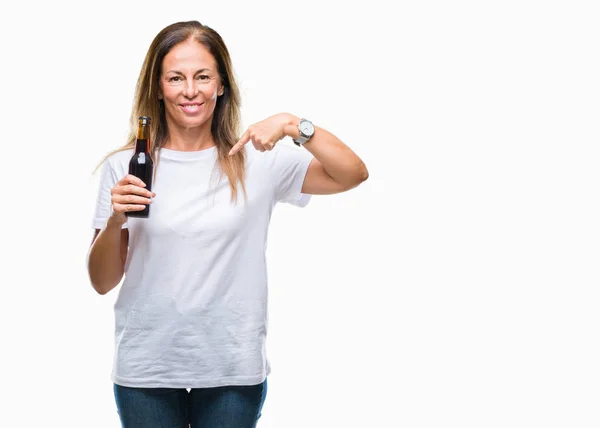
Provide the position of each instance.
(192, 107)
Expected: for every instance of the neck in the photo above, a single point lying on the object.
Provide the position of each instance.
(190, 139)
(141, 145)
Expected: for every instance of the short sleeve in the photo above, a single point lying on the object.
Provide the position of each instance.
(289, 168)
(108, 179)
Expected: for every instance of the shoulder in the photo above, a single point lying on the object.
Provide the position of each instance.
(120, 157)
(114, 167)
(118, 161)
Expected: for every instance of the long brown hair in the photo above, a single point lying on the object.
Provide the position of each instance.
(225, 127)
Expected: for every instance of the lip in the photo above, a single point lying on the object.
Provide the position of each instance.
(191, 108)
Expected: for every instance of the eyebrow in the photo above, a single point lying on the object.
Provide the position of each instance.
(202, 70)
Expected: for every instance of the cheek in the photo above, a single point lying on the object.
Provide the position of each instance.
(170, 93)
(212, 93)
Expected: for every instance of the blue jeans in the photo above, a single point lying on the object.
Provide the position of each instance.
(219, 407)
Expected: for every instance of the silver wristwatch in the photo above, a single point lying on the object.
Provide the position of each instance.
(306, 129)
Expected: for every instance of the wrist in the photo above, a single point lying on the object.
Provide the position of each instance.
(116, 221)
(290, 125)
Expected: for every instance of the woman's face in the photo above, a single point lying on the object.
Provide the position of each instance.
(189, 85)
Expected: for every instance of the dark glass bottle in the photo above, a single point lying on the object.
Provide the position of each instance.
(141, 164)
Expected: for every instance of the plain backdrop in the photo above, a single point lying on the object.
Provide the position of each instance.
(457, 287)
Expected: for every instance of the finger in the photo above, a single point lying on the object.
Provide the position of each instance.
(131, 179)
(123, 208)
(243, 140)
(257, 143)
(130, 199)
(132, 189)
(258, 146)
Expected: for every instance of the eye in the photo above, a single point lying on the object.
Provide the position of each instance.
(203, 77)
(175, 79)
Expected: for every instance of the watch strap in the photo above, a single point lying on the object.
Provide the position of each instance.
(303, 138)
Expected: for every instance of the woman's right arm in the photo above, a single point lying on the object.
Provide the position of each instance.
(108, 252)
(107, 256)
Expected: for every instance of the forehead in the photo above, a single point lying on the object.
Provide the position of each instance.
(188, 55)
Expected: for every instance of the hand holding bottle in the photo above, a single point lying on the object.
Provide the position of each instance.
(130, 195)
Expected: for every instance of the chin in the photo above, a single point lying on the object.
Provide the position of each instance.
(187, 122)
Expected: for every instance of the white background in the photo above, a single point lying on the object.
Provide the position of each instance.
(457, 287)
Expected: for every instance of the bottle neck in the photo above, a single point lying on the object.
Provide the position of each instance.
(141, 145)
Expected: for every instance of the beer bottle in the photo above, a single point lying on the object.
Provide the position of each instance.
(141, 164)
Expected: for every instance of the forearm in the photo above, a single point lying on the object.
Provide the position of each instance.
(105, 262)
(338, 160)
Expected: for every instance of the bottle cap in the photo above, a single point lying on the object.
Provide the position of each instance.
(144, 120)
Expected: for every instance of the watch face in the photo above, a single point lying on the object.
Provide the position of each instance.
(307, 128)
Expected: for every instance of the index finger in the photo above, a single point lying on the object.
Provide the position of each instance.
(243, 140)
(132, 179)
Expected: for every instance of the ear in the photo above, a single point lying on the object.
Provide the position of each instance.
(221, 91)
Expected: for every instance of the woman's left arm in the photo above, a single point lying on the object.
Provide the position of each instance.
(335, 167)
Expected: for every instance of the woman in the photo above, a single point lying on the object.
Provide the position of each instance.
(190, 317)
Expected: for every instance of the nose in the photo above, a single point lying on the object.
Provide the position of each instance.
(190, 89)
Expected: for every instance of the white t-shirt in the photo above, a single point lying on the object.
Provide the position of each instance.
(192, 309)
